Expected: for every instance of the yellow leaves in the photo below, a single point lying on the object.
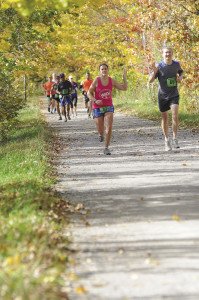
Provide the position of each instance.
(176, 217)
(79, 206)
(73, 276)
(151, 260)
(81, 290)
(4, 46)
(13, 260)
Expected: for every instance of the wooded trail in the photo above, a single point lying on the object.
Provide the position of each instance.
(137, 230)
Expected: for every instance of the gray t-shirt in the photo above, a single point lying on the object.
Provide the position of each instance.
(167, 79)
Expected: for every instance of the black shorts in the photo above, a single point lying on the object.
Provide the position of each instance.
(73, 100)
(165, 104)
(86, 99)
(54, 97)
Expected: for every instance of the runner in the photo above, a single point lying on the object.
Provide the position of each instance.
(100, 93)
(47, 88)
(85, 85)
(56, 95)
(65, 89)
(169, 73)
(74, 96)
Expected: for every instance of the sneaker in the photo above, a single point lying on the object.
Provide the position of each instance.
(65, 120)
(60, 118)
(89, 116)
(69, 117)
(101, 138)
(49, 109)
(168, 146)
(107, 151)
(175, 144)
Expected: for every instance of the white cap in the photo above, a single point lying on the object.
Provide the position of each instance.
(70, 77)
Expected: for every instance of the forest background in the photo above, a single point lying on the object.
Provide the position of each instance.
(38, 38)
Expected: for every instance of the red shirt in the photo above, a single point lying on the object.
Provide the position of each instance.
(86, 84)
(103, 93)
(47, 87)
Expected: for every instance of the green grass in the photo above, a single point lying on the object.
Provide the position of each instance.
(142, 102)
(33, 250)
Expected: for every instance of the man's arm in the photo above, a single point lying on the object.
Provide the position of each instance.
(179, 76)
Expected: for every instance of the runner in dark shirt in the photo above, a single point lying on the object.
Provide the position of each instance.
(65, 89)
(169, 73)
(74, 96)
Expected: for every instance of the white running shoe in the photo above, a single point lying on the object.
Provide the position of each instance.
(175, 144)
(168, 146)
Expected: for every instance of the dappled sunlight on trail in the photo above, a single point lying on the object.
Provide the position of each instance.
(137, 232)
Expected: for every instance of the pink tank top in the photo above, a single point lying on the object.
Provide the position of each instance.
(103, 93)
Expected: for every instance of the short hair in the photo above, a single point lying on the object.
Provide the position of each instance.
(103, 64)
(167, 47)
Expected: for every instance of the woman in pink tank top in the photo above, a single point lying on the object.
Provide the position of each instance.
(100, 94)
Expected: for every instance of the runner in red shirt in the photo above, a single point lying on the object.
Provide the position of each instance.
(47, 86)
(100, 94)
(85, 85)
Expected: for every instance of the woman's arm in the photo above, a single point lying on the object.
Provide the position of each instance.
(91, 93)
(121, 86)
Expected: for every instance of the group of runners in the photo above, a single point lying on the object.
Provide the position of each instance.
(98, 97)
(62, 95)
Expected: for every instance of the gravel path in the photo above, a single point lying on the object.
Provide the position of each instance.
(137, 230)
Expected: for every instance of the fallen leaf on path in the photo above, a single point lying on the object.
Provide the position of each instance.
(81, 290)
(121, 251)
(175, 217)
(73, 276)
(87, 223)
(79, 206)
(152, 261)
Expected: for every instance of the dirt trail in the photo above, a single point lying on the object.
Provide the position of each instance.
(138, 234)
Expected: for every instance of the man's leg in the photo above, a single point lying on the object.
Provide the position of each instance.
(174, 111)
(89, 109)
(58, 110)
(64, 111)
(165, 130)
(68, 110)
(165, 124)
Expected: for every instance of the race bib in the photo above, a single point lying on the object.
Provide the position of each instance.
(171, 82)
(64, 92)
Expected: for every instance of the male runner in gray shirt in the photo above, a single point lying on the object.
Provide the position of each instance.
(169, 73)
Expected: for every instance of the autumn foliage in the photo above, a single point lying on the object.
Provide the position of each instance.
(38, 37)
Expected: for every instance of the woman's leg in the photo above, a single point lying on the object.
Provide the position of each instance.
(108, 124)
(100, 125)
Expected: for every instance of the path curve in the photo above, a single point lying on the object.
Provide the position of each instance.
(137, 231)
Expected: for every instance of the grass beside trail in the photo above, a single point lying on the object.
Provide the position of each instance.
(33, 251)
(142, 102)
